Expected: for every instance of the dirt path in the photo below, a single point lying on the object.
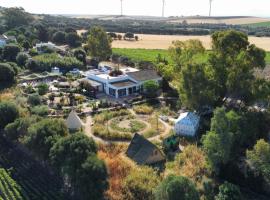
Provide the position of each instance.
(166, 132)
(88, 130)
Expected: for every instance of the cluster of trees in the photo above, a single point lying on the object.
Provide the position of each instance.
(228, 71)
(127, 36)
(73, 156)
(232, 149)
(45, 62)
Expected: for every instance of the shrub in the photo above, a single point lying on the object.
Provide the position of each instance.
(21, 59)
(34, 99)
(40, 110)
(43, 88)
(228, 191)
(10, 52)
(139, 184)
(143, 109)
(150, 133)
(176, 187)
(7, 74)
(8, 113)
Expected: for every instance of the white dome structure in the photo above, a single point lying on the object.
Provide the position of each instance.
(73, 121)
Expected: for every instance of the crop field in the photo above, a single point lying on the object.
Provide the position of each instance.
(260, 24)
(26, 179)
(147, 41)
(151, 54)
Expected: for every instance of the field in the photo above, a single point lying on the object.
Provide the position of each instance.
(260, 24)
(151, 54)
(164, 41)
(27, 179)
(221, 20)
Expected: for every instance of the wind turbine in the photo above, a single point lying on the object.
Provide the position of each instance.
(210, 7)
(163, 7)
(121, 7)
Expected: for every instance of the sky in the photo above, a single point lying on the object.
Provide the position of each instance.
(145, 7)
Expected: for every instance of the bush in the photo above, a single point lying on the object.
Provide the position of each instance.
(8, 113)
(59, 37)
(73, 39)
(150, 88)
(228, 191)
(7, 74)
(40, 110)
(150, 133)
(32, 65)
(34, 100)
(21, 59)
(43, 88)
(139, 184)
(176, 187)
(143, 109)
(10, 52)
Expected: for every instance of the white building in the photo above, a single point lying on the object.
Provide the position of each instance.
(73, 121)
(6, 39)
(41, 46)
(55, 70)
(130, 82)
(187, 124)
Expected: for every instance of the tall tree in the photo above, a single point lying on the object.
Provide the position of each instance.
(217, 142)
(234, 60)
(184, 52)
(99, 43)
(259, 159)
(196, 86)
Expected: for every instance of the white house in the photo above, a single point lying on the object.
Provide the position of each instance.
(187, 124)
(129, 82)
(6, 39)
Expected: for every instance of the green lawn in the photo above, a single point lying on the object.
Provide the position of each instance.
(151, 54)
(260, 24)
(142, 54)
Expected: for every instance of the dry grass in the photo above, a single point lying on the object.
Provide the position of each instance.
(6, 95)
(118, 167)
(147, 41)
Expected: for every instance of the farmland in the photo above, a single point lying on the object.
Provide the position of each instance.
(151, 54)
(148, 41)
(259, 24)
(27, 179)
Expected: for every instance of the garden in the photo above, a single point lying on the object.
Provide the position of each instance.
(122, 124)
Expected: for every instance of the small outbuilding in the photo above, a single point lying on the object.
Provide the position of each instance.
(143, 152)
(187, 124)
(73, 121)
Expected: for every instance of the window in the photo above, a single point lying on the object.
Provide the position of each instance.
(112, 92)
(122, 92)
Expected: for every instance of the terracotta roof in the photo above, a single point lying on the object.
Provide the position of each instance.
(144, 75)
